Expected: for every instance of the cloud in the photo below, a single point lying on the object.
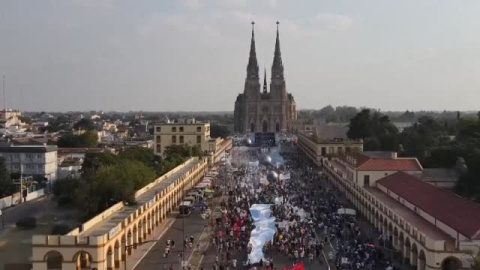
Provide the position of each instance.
(272, 3)
(334, 21)
(192, 4)
(94, 3)
(234, 3)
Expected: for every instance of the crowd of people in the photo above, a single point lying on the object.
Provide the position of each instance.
(309, 228)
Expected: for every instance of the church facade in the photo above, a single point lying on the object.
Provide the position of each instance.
(260, 110)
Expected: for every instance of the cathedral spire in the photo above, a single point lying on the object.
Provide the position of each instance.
(252, 68)
(277, 66)
(265, 81)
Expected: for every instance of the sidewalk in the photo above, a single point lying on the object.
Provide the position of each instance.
(141, 251)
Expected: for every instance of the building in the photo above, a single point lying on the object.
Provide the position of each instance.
(107, 240)
(189, 132)
(432, 228)
(38, 161)
(366, 168)
(324, 140)
(260, 110)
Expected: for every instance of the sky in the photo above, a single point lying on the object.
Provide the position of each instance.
(191, 55)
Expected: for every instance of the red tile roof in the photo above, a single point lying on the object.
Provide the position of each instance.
(390, 164)
(457, 212)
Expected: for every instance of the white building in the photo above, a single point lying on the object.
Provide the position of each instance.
(39, 161)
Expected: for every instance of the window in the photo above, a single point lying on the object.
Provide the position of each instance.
(40, 166)
(174, 139)
(181, 139)
(366, 180)
(30, 156)
(16, 155)
(159, 148)
(181, 129)
(159, 139)
(159, 129)
(199, 129)
(174, 129)
(330, 150)
(340, 149)
(39, 156)
(16, 166)
(29, 166)
(199, 139)
(324, 151)
(347, 149)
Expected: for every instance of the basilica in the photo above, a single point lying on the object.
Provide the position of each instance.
(260, 110)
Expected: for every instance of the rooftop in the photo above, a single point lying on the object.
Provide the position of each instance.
(27, 148)
(455, 211)
(363, 162)
(116, 218)
(408, 215)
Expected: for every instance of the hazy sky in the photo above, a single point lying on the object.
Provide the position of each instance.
(165, 55)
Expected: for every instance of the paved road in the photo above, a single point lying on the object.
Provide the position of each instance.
(15, 247)
(194, 225)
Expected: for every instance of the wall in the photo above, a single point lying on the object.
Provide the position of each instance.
(35, 194)
(6, 202)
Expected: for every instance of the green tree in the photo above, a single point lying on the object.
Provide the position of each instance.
(360, 125)
(142, 154)
(111, 184)
(84, 124)
(94, 161)
(219, 131)
(87, 139)
(5, 181)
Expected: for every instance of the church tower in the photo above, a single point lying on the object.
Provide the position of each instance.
(277, 84)
(252, 81)
(260, 110)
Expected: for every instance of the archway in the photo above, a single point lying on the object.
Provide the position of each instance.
(54, 260)
(277, 127)
(406, 254)
(421, 260)
(129, 242)
(414, 255)
(265, 126)
(252, 127)
(395, 238)
(117, 254)
(110, 258)
(451, 263)
(82, 260)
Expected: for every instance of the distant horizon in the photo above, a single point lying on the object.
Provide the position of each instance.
(220, 111)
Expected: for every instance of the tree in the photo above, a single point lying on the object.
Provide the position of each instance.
(5, 181)
(219, 131)
(137, 153)
(25, 119)
(94, 161)
(84, 124)
(360, 125)
(87, 139)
